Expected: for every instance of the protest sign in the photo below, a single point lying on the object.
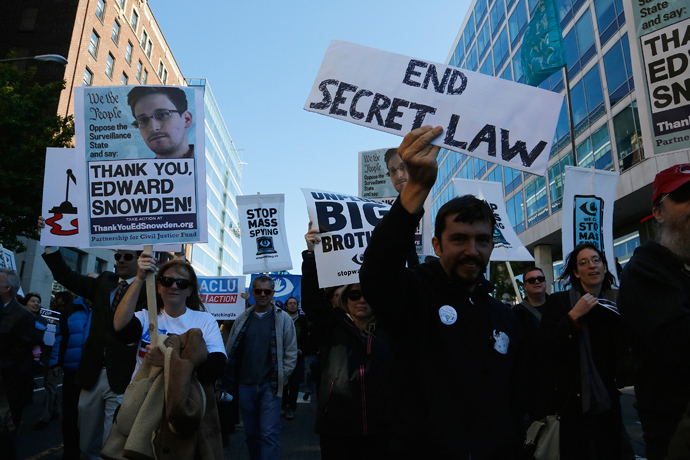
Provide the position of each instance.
(221, 295)
(262, 226)
(141, 172)
(53, 318)
(7, 259)
(507, 245)
(588, 199)
(345, 223)
(489, 118)
(659, 51)
(286, 286)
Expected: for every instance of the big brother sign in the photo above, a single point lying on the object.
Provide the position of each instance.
(489, 118)
(345, 223)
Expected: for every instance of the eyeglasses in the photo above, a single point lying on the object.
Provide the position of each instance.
(393, 171)
(182, 283)
(258, 291)
(585, 262)
(128, 257)
(160, 115)
(536, 279)
(354, 295)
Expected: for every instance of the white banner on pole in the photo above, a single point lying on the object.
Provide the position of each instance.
(345, 223)
(587, 212)
(507, 245)
(485, 117)
(262, 225)
(221, 295)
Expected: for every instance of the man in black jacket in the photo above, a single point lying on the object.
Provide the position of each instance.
(106, 364)
(454, 376)
(654, 301)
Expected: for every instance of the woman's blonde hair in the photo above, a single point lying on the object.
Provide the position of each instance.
(367, 329)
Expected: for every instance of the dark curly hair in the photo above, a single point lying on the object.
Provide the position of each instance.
(570, 267)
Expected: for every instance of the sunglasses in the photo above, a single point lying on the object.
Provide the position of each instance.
(128, 257)
(258, 291)
(536, 279)
(354, 295)
(679, 195)
(182, 283)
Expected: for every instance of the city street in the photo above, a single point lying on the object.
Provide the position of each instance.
(298, 440)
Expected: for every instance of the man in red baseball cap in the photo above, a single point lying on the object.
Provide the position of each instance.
(655, 303)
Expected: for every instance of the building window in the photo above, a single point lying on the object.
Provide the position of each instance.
(497, 15)
(517, 67)
(93, 44)
(515, 207)
(479, 11)
(459, 54)
(109, 66)
(562, 136)
(536, 201)
(628, 135)
(488, 66)
(619, 70)
(471, 63)
(134, 20)
(567, 9)
(125, 79)
(116, 32)
(513, 178)
(532, 4)
(624, 247)
(596, 150)
(517, 23)
(469, 30)
(100, 10)
(508, 72)
(139, 67)
(501, 49)
(479, 168)
(587, 101)
(145, 77)
(149, 47)
(495, 174)
(144, 38)
(579, 45)
(483, 40)
(610, 18)
(120, 3)
(128, 52)
(88, 78)
(466, 171)
(556, 181)
(162, 72)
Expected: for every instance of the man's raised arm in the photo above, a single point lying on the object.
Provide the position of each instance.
(420, 159)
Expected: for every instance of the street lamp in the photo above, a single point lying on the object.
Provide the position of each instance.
(54, 59)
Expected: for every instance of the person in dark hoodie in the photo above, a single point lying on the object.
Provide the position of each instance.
(354, 354)
(454, 377)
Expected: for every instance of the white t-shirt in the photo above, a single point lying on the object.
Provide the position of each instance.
(169, 325)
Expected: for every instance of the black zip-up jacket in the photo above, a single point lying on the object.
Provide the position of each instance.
(455, 393)
(354, 387)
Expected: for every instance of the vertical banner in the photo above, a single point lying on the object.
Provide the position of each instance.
(142, 153)
(345, 223)
(507, 245)
(262, 226)
(286, 286)
(659, 48)
(63, 200)
(587, 217)
(221, 295)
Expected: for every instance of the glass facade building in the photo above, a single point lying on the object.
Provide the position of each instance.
(604, 114)
(221, 256)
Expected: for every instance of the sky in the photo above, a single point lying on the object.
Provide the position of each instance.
(261, 59)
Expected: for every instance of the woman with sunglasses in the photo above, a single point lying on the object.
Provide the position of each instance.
(354, 356)
(584, 348)
(180, 310)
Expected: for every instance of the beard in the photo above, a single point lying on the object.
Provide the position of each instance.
(675, 235)
(467, 279)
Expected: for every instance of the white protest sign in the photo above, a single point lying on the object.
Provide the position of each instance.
(53, 318)
(262, 226)
(489, 118)
(221, 295)
(345, 223)
(141, 172)
(587, 217)
(507, 245)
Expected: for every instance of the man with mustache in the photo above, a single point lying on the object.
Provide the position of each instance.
(162, 118)
(654, 301)
(455, 370)
(395, 169)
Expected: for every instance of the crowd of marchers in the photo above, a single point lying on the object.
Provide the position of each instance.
(416, 360)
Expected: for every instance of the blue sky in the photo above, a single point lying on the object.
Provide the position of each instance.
(261, 59)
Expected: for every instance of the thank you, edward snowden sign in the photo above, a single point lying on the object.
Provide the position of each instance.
(489, 118)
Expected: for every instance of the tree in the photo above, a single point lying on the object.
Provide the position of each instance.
(29, 125)
(501, 278)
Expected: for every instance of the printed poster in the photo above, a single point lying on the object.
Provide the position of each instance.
(53, 318)
(588, 199)
(485, 117)
(507, 245)
(142, 151)
(262, 226)
(221, 295)
(345, 223)
(659, 50)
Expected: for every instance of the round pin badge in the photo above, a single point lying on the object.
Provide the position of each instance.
(448, 315)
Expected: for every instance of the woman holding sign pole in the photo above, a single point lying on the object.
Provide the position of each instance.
(583, 343)
(354, 356)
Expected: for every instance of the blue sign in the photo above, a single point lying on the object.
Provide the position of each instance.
(286, 286)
